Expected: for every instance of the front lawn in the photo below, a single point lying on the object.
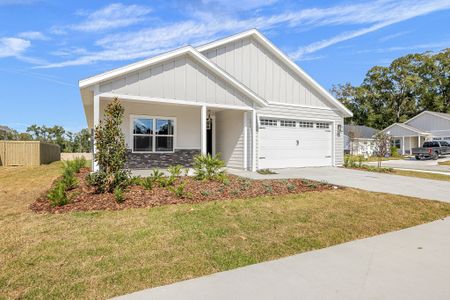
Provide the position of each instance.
(445, 163)
(422, 175)
(102, 254)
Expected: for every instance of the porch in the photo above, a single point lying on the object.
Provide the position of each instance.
(161, 132)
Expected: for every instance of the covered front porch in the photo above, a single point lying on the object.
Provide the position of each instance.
(405, 137)
(161, 132)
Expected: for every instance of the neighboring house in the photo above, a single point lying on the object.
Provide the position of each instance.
(359, 140)
(427, 125)
(4, 130)
(239, 96)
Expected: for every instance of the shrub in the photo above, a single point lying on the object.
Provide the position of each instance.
(266, 172)
(394, 151)
(290, 187)
(57, 195)
(68, 179)
(207, 167)
(175, 171)
(118, 194)
(147, 183)
(104, 182)
(179, 191)
(76, 164)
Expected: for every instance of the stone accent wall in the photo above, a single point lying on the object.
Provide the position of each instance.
(184, 157)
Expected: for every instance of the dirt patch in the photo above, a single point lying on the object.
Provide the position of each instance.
(84, 198)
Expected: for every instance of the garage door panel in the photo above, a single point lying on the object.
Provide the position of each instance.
(278, 147)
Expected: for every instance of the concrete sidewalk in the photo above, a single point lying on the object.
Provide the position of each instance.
(413, 164)
(413, 263)
(370, 181)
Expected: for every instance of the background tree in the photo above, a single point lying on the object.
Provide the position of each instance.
(408, 86)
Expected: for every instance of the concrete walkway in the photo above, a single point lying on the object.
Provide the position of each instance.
(409, 264)
(370, 181)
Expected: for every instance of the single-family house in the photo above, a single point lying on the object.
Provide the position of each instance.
(359, 140)
(239, 96)
(426, 126)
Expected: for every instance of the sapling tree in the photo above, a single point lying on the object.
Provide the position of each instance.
(382, 143)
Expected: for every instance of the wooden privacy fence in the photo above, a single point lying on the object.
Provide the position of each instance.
(28, 153)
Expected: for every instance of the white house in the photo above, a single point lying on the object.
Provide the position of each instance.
(359, 140)
(239, 96)
(428, 125)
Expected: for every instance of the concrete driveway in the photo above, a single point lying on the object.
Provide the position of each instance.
(413, 164)
(370, 181)
(408, 264)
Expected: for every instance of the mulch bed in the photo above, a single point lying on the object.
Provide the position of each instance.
(84, 198)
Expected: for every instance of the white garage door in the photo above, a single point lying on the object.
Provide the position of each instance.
(291, 143)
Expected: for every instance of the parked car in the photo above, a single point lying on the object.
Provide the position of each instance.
(432, 149)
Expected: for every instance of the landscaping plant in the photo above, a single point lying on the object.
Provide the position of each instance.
(118, 194)
(382, 146)
(110, 151)
(207, 167)
(57, 195)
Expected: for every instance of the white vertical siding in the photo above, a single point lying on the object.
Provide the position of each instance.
(429, 122)
(230, 137)
(252, 64)
(181, 78)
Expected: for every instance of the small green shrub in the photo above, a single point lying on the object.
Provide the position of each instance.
(290, 187)
(68, 179)
(118, 194)
(266, 172)
(179, 191)
(394, 151)
(57, 195)
(205, 193)
(104, 182)
(175, 171)
(268, 187)
(207, 167)
(147, 183)
(135, 180)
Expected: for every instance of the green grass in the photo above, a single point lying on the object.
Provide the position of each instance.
(422, 175)
(374, 158)
(445, 163)
(98, 255)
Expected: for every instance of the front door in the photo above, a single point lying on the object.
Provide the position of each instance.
(209, 138)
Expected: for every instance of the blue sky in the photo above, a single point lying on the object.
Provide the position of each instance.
(47, 46)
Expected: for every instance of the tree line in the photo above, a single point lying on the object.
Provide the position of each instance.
(393, 94)
(68, 141)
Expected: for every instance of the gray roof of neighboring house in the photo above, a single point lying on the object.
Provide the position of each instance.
(360, 131)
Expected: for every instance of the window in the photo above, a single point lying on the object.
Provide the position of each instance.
(287, 123)
(322, 125)
(397, 143)
(445, 144)
(304, 124)
(268, 122)
(153, 134)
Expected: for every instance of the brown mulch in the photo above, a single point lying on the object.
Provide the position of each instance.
(84, 198)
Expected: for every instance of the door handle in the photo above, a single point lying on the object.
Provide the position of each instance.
(298, 142)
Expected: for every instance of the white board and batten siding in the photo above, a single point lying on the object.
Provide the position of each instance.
(252, 64)
(230, 140)
(181, 78)
(437, 126)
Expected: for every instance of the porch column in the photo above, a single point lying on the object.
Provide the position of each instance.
(203, 130)
(403, 145)
(418, 141)
(410, 145)
(254, 152)
(96, 122)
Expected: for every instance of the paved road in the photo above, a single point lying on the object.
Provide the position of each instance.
(413, 164)
(413, 263)
(370, 181)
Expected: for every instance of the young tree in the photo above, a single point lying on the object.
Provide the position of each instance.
(110, 140)
(382, 144)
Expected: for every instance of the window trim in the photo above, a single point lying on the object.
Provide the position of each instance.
(154, 135)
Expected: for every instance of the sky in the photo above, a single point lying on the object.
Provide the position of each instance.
(47, 46)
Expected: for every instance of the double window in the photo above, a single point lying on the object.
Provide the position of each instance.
(322, 125)
(153, 134)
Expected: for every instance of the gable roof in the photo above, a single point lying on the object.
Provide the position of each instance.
(406, 127)
(283, 57)
(188, 50)
(436, 114)
(84, 83)
(360, 131)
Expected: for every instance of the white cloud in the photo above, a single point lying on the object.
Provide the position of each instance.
(392, 36)
(12, 46)
(33, 35)
(113, 16)
(426, 46)
(206, 26)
